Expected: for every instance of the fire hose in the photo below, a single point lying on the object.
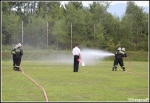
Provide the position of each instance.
(35, 83)
(128, 71)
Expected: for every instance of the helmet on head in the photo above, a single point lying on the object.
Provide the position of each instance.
(119, 48)
(16, 46)
(123, 49)
(19, 45)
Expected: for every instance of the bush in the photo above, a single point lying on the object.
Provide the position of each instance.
(7, 47)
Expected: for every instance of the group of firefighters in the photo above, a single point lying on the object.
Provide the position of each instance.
(17, 53)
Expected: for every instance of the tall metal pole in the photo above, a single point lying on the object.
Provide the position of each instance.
(47, 34)
(71, 35)
(22, 32)
(94, 32)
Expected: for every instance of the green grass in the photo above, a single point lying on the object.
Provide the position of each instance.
(92, 82)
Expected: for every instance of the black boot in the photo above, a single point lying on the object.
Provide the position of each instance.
(17, 68)
(115, 68)
(112, 68)
(123, 68)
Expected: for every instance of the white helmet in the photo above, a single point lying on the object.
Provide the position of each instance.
(19, 45)
(119, 48)
(16, 46)
(123, 49)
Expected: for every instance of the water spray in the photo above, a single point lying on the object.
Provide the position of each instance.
(90, 56)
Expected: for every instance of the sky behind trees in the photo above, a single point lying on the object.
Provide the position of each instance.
(139, 3)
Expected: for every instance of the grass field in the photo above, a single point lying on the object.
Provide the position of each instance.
(92, 83)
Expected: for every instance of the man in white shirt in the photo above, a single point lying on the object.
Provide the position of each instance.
(77, 55)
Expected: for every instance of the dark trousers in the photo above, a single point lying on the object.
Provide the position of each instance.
(116, 61)
(120, 61)
(76, 63)
(14, 61)
(18, 62)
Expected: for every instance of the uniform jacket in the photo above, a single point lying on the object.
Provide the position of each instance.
(13, 52)
(119, 54)
(19, 52)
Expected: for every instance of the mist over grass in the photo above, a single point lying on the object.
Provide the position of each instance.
(89, 56)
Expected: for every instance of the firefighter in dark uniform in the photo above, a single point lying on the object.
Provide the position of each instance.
(19, 53)
(124, 55)
(14, 56)
(119, 48)
(118, 59)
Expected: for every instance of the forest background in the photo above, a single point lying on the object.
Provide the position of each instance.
(50, 25)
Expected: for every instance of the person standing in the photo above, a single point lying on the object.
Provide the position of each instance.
(77, 55)
(124, 55)
(14, 56)
(19, 53)
(118, 59)
(116, 53)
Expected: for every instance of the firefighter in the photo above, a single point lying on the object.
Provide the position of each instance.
(14, 57)
(119, 49)
(19, 53)
(118, 59)
(124, 55)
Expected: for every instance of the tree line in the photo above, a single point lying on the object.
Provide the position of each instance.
(63, 26)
